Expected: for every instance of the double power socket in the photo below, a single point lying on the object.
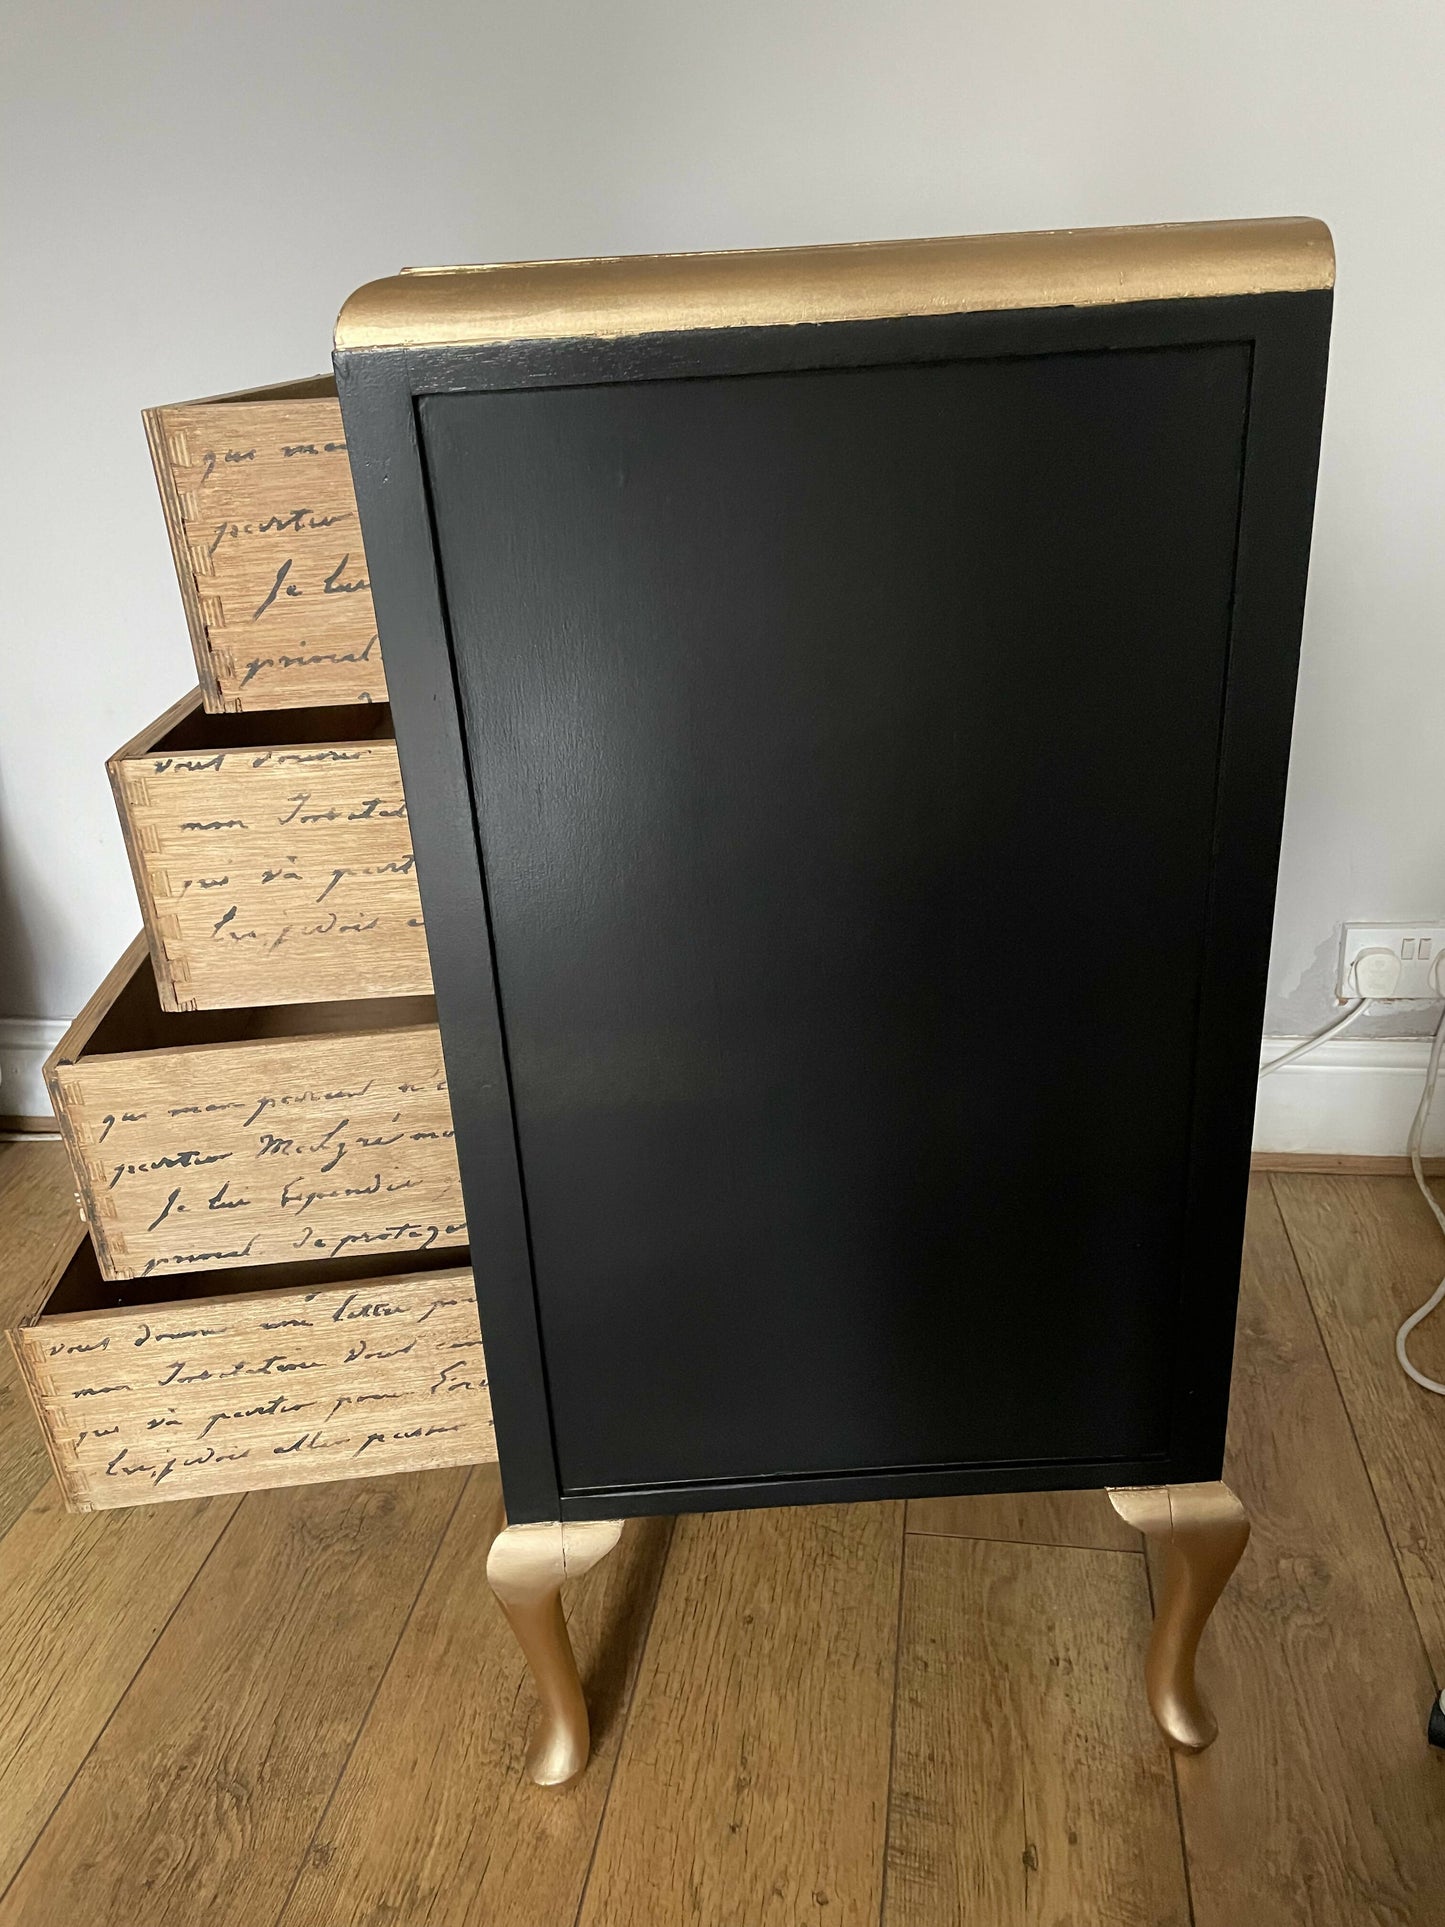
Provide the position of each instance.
(1385, 960)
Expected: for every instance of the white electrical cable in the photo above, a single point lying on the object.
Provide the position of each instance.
(1330, 1030)
(1417, 1138)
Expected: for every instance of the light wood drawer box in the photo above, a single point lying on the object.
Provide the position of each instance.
(272, 857)
(257, 494)
(287, 1376)
(208, 1139)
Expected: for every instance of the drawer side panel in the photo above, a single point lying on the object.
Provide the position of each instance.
(262, 516)
(264, 1152)
(275, 1388)
(274, 875)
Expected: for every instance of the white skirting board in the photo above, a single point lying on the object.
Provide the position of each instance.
(25, 1043)
(1353, 1097)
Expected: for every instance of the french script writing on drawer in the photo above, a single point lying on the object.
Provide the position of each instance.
(270, 526)
(267, 1152)
(278, 874)
(275, 1388)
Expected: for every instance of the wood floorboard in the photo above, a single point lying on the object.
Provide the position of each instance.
(202, 1794)
(1084, 1519)
(39, 1226)
(1029, 1785)
(82, 1601)
(752, 1785)
(434, 1821)
(1319, 1802)
(1370, 1253)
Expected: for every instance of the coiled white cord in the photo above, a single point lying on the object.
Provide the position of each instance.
(1417, 1138)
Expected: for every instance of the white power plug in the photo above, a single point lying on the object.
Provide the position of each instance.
(1377, 973)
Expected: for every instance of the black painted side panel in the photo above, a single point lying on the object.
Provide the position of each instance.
(804, 712)
(1285, 338)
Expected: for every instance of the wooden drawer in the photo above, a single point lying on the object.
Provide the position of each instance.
(292, 1374)
(258, 500)
(203, 1140)
(272, 858)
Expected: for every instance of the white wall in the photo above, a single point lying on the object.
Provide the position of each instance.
(192, 190)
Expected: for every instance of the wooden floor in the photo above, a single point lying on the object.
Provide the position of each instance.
(303, 1708)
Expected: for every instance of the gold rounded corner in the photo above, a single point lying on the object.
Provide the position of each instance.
(623, 295)
(1322, 241)
(360, 308)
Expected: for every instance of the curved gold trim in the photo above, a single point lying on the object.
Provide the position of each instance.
(1204, 1530)
(868, 280)
(526, 1567)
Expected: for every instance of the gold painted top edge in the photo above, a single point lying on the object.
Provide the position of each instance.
(867, 280)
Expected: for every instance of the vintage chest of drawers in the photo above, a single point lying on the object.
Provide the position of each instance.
(767, 637)
(776, 642)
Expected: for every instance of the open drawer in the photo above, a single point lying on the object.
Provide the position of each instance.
(289, 1375)
(272, 856)
(256, 489)
(210, 1139)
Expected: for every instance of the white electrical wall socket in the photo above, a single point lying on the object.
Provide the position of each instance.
(1391, 960)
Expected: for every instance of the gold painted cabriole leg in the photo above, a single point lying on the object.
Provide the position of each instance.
(1204, 1529)
(526, 1568)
